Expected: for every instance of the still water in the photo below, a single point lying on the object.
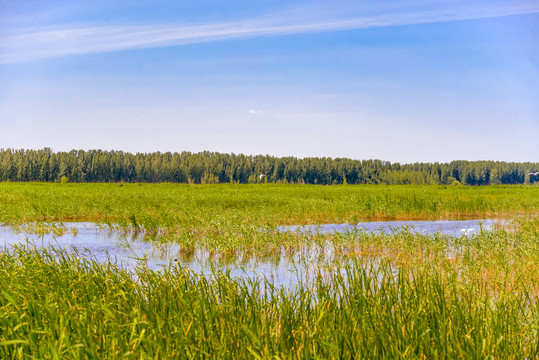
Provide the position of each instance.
(129, 249)
(450, 228)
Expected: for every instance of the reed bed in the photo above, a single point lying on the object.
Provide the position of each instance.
(169, 205)
(398, 296)
(228, 217)
(381, 296)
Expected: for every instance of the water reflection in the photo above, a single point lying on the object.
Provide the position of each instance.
(285, 268)
(422, 227)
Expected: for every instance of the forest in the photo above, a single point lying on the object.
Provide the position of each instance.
(45, 165)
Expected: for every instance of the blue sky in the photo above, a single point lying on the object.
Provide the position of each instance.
(401, 81)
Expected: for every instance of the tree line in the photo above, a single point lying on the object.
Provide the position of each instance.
(211, 167)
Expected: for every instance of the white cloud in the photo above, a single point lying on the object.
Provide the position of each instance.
(48, 42)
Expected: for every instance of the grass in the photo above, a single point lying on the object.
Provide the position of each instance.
(226, 217)
(385, 296)
(415, 297)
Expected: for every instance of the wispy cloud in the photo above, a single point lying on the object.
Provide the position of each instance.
(48, 42)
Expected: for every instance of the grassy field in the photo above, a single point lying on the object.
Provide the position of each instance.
(386, 296)
(407, 296)
(225, 217)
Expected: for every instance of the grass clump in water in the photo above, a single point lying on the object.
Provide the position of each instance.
(228, 217)
(468, 297)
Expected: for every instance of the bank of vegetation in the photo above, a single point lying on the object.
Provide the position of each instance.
(211, 168)
(226, 217)
(397, 297)
(402, 295)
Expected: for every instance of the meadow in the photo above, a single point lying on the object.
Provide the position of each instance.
(391, 296)
(226, 217)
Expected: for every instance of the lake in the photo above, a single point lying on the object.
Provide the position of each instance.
(137, 249)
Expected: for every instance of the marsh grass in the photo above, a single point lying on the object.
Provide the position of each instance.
(167, 205)
(228, 217)
(43, 228)
(399, 296)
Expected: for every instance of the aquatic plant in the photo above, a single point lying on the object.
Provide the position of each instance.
(385, 296)
(468, 297)
(226, 217)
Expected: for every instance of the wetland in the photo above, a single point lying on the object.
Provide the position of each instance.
(268, 271)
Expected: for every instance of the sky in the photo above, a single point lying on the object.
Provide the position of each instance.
(397, 80)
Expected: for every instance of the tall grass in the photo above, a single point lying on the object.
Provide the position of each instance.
(404, 296)
(385, 296)
(226, 217)
(168, 205)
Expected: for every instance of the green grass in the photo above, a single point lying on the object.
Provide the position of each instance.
(227, 217)
(408, 296)
(386, 296)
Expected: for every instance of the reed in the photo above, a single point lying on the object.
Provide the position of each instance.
(227, 217)
(404, 296)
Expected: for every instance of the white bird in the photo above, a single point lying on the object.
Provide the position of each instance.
(262, 176)
(534, 173)
(467, 231)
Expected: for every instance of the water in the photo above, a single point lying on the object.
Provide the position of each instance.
(446, 227)
(135, 249)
